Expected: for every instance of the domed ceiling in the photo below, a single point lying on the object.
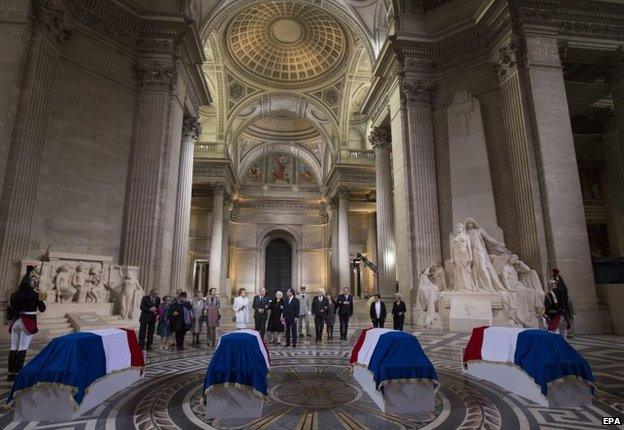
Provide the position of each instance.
(286, 44)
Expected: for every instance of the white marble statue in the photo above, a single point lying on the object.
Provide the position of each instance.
(79, 282)
(130, 300)
(524, 300)
(62, 284)
(430, 283)
(461, 255)
(97, 290)
(483, 273)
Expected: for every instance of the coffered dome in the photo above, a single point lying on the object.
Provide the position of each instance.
(285, 43)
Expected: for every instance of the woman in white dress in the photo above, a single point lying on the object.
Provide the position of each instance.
(241, 309)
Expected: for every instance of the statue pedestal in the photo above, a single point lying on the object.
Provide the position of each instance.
(463, 311)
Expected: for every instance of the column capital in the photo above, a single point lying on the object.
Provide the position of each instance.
(191, 129)
(507, 58)
(53, 19)
(417, 93)
(218, 189)
(333, 203)
(156, 75)
(380, 138)
(612, 67)
(343, 193)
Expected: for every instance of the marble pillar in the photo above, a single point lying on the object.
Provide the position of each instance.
(17, 201)
(371, 253)
(527, 239)
(562, 204)
(386, 252)
(191, 128)
(615, 154)
(344, 260)
(216, 240)
(152, 186)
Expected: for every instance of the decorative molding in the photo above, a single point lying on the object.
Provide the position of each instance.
(417, 94)
(507, 59)
(191, 129)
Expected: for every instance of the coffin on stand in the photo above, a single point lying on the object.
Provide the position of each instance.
(76, 372)
(535, 364)
(236, 382)
(393, 370)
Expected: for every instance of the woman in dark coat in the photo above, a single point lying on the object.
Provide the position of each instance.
(330, 316)
(275, 325)
(398, 312)
(179, 315)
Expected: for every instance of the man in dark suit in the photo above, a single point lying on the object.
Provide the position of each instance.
(345, 310)
(378, 312)
(290, 314)
(398, 312)
(319, 309)
(260, 306)
(147, 321)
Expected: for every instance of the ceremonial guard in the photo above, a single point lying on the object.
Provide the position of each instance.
(22, 313)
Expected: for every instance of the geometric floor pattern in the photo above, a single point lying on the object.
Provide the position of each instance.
(311, 387)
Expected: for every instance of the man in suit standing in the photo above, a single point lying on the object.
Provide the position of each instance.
(345, 310)
(378, 312)
(304, 311)
(147, 321)
(260, 306)
(319, 309)
(291, 314)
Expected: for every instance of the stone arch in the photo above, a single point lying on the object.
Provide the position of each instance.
(300, 152)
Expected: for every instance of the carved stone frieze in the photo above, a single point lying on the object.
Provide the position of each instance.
(156, 76)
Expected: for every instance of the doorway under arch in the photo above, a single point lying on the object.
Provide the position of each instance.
(278, 266)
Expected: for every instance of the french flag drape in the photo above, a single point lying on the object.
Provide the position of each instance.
(546, 357)
(392, 355)
(77, 360)
(241, 359)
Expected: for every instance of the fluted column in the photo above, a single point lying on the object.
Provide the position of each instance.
(527, 238)
(191, 128)
(562, 204)
(334, 272)
(150, 206)
(615, 154)
(18, 201)
(386, 252)
(216, 239)
(344, 262)
(422, 172)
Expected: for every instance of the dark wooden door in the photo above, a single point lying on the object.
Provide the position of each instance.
(278, 267)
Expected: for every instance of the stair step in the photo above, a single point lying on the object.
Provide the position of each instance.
(43, 320)
(59, 331)
(56, 325)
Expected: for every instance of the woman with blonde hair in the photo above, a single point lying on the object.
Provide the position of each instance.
(276, 325)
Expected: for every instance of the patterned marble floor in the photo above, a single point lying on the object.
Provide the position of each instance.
(312, 388)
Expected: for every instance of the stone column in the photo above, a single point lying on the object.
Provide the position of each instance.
(527, 239)
(17, 202)
(150, 205)
(562, 204)
(344, 260)
(386, 253)
(614, 69)
(333, 270)
(216, 239)
(191, 128)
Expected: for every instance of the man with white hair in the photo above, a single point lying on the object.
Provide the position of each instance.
(304, 311)
(319, 309)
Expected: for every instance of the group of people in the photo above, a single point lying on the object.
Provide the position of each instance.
(291, 314)
(378, 312)
(177, 315)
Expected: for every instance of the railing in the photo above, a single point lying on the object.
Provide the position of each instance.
(358, 156)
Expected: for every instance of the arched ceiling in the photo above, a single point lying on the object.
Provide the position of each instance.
(286, 44)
